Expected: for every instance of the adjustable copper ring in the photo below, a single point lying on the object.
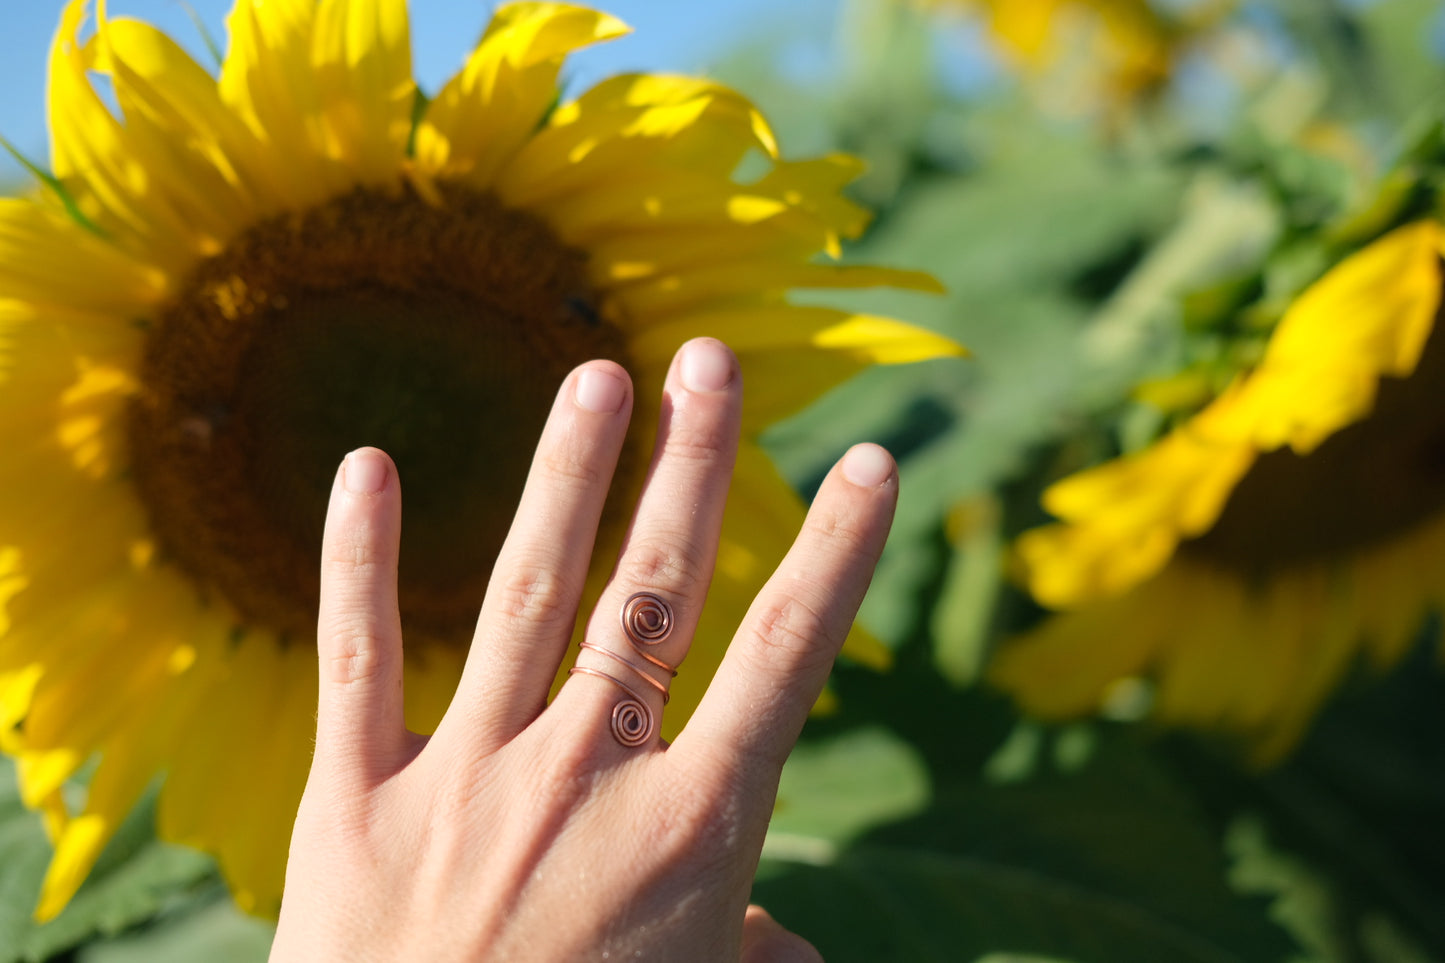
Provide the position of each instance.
(632, 721)
(646, 620)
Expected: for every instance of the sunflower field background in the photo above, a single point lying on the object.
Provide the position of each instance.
(1164, 591)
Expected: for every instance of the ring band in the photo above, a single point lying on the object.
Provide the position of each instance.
(659, 686)
(646, 620)
(632, 721)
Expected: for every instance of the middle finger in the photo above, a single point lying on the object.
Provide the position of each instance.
(666, 560)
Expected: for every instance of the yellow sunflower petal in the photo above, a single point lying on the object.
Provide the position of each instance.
(246, 758)
(40, 252)
(97, 161)
(657, 222)
(487, 111)
(691, 290)
(629, 122)
(269, 81)
(266, 77)
(1124, 519)
(1025, 27)
(361, 55)
(201, 154)
(790, 354)
(131, 755)
(1367, 317)
(253, 850)
(1066, 665)
(765, 328)
(76, 851)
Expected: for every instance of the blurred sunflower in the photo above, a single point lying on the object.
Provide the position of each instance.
(1244, 562)
(1128, 44)
(231, 282)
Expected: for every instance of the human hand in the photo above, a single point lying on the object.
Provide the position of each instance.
(526, 831)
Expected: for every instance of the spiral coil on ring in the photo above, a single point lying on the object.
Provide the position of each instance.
(631, 723)
(646, 620)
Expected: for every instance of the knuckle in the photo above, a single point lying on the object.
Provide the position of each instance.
(571, 464)
(665, 560)
(705, 440)
(353, 655)
(844, 532)
(351, 555)
(532, 592)
(793, 631)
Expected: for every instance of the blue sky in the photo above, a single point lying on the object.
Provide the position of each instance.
(674, 35)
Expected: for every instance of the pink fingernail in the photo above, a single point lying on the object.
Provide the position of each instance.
(867, 466)
(705, 366)
(600, 391)
(365, 472)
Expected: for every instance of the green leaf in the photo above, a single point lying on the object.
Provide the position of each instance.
(1105, 862)
(834, 790)
(134, 879)
(1345, 835)
(1402, 35)
(24, 853)
(212, 930)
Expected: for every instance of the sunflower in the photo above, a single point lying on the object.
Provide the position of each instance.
(1128, 44)
(227, 283)
(1240, 566)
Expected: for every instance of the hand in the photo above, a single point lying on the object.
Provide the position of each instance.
(527, 831)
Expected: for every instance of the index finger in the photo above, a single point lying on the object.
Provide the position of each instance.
(775, 668)
(359, 721)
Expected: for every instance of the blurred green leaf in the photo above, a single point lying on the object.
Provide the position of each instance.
(834, 790)
(1346, 835)
(1109, 863)
(24, 853)
(1404, 36)
(213, 930)
(135, 878)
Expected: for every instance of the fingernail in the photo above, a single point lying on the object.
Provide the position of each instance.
(867, 466)
(706, 366)
(600, 391)
(364, 472)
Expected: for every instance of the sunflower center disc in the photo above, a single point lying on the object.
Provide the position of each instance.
(1368, 482)
(437, 333)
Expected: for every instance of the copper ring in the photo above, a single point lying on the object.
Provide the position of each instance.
(646, 619)
(659, 686)
(632, 722)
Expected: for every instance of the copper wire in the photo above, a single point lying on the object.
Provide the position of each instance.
(646, 620)
(632, 722)
(659, 686)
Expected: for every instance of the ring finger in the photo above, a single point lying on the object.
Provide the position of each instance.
(644, 621)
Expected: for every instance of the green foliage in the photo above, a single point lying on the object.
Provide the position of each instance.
(134, 879)
(1083, 845)
(1079, 264)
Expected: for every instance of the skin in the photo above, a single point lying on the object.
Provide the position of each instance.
(525, 831)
